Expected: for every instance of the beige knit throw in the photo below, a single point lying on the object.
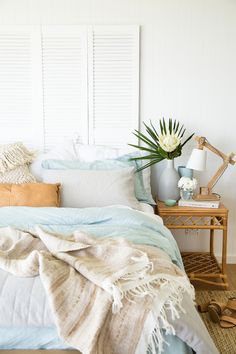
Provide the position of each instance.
(102, 290)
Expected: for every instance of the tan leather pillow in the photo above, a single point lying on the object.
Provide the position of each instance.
(30, 194)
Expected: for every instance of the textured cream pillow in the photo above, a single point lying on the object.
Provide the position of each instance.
(13, 155)
(20, 174)
(30, 194)
(14, 164)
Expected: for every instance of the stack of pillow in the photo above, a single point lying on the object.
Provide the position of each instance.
(89, 176)
(95, 176)
(17, 184)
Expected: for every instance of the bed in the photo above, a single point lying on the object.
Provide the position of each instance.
(26, 319)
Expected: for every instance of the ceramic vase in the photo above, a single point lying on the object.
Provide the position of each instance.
(168, 182)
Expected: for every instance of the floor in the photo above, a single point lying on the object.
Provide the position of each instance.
(231, 273)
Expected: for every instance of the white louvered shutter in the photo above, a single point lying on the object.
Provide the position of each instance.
(113, 84)
(64, 59)
(20, 105)
(64, 81)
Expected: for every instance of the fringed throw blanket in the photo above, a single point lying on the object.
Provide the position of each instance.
(102, 291)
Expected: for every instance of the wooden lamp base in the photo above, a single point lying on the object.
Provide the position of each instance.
(206, 194)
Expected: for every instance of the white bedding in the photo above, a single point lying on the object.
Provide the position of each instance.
(25, 306)
(28, 304)
(23, 301)
(146, 208)
(28, 307)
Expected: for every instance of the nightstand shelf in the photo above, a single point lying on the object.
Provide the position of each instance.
(200, 266)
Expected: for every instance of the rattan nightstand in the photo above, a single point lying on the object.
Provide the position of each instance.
(200, 266)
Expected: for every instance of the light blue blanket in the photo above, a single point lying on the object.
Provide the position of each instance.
(114, 221)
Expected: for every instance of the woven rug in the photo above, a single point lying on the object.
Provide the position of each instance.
(224, 339)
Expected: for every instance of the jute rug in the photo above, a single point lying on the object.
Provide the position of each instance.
(224, 339)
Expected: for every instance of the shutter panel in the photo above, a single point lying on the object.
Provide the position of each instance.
(19, 83)
(64, 61)
(113, 84)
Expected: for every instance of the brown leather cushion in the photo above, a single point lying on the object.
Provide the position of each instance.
(30, 194)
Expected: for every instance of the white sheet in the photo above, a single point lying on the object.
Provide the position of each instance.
(23, 302)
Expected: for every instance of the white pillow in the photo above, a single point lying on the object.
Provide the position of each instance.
(64, 151)
(90, 153)
(92, 188)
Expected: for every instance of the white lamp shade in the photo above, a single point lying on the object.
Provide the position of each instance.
(197, 160)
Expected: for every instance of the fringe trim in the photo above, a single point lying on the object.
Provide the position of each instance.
(14, 155)
(172, 305)
(138, 271)
(156, 340)
(176, 286)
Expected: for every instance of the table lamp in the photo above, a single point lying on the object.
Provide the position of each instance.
(197, 161)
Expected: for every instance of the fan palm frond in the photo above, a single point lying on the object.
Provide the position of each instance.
(166, 145)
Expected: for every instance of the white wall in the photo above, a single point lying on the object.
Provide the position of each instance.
(188, 69)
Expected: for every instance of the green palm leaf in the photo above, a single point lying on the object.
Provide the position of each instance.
(190, 137)
(157, 135)
(170, 126)
(161, 127)
(151, 163)
(176, 128)
(174, 125)
(164, 125)
(151, 133)
(142, 148)
(146, 140)
(182, 133)
(147, 157)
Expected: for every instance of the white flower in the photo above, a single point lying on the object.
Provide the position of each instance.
(169, 142)
(187, 183)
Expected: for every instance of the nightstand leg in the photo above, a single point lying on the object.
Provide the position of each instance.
(224, 251)
(212, 240)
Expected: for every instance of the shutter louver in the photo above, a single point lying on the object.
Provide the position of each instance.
(17, 85)
(64, 83)
(113, 84)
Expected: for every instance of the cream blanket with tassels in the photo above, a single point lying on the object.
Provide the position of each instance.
(102, 290)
